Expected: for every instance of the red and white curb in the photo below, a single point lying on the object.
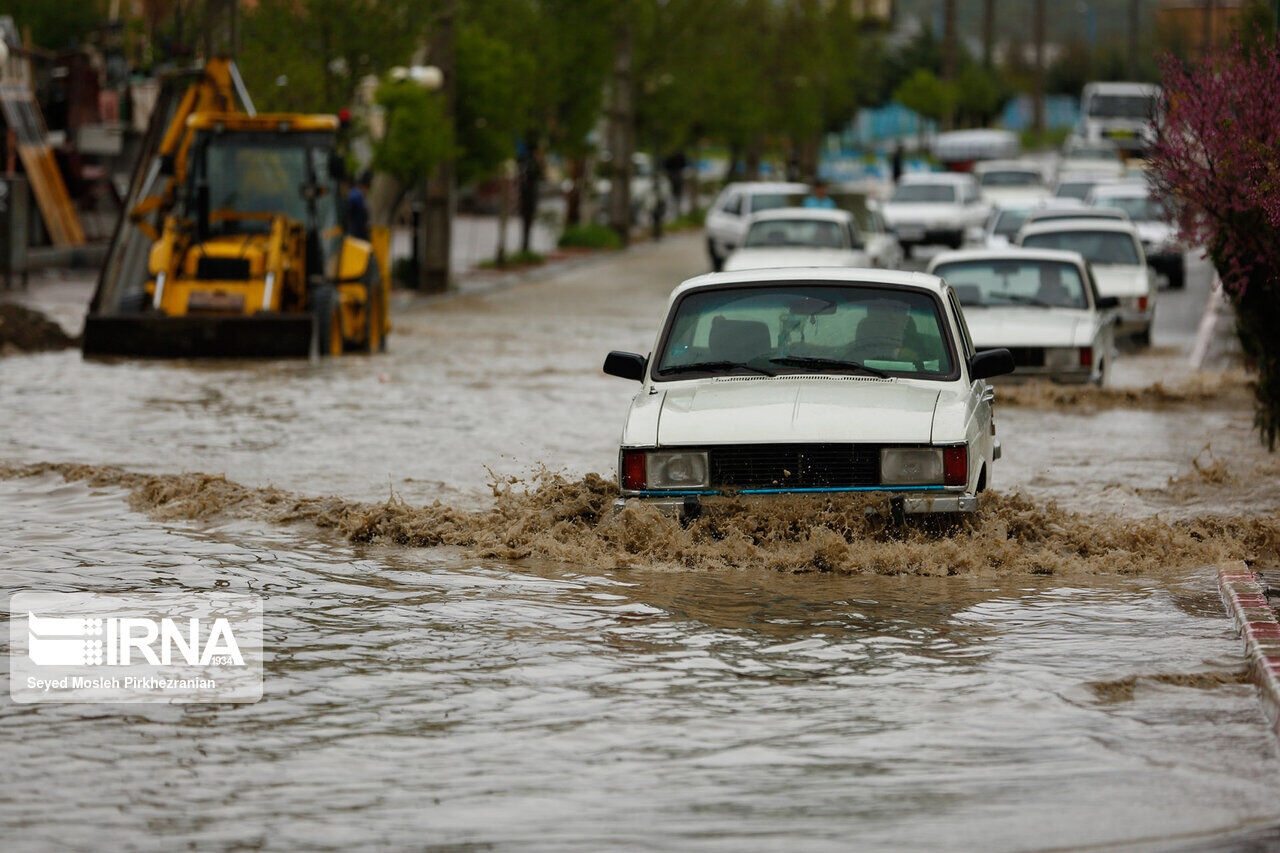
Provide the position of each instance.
(1245, 598)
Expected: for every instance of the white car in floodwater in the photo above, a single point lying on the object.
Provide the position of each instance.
(800, 237)
(810, 380)
(1041, 305)
(1114, 249)
(1011, 182)
(727, 218)
(934, 207)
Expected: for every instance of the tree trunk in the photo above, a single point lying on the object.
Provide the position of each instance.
(504, 213)
(989, 32)
(1134, 19)
(530, 175)
(621, 125)
(573, 202)
(437, 219)
(755, 152)
(1037, 100)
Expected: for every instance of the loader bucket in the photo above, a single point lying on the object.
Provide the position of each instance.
(263, 335)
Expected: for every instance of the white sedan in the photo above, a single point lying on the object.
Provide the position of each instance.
(810, 380)
(800, 237)
(727, 218)
(1041, 305)
(934, 207)
(1011, 182)
(1119, 265)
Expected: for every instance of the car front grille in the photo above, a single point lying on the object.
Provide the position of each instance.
(794, 466)
(1027, 356)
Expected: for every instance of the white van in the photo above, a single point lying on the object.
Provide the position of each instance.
(1121, 112)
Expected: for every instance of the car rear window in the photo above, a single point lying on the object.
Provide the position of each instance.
(1107, 248)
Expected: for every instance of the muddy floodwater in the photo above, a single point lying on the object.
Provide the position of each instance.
(447, 697)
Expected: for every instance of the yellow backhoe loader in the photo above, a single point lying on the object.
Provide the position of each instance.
(233, 244)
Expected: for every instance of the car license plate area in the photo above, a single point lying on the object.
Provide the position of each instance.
(910, 232)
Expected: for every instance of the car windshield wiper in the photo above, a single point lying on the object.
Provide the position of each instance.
(836, 363)
(1025, 300)
(701, 366)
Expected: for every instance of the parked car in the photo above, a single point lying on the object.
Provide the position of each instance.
(1165, 253)
(1001, 227)
(727, 218)
(810, 380)
(799, 237)
(1119, 265)
(1011, 181)
(1041, 305)
(1120, 112)
(1098, 157)
(934, 207)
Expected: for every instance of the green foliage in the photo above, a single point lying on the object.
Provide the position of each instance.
(1051, 138)
(590, 236)
(417, 138)
(491, 108)
(927, 94)
(980, 95)
(320, 49)
(55, 24)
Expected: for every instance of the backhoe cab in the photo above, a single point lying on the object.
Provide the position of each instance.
(248, 256)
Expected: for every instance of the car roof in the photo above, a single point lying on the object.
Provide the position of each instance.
(808, 275)
(1083, 211)
(1120, 225)
(1119, 87)
(1011, 254)
(767, 187)
(935, 178)
(824, 213)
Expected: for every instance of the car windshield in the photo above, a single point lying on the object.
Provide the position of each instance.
(1122, 106)
(808, 328)
(1012, 178)
(795, 233)
(1008, 222)
(936, 193)
(1030, 283)
(1139, 208)
(1078, 190)
(1106, 248)
(769, 201)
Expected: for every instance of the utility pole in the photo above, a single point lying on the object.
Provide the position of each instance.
(1037, 100)
(437, 219)
(621, 124)
(988, 32)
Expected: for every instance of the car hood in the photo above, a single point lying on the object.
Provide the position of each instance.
(1009, 326)
(896, 212)
(756, 259)
(759, 410)
(1122, 281)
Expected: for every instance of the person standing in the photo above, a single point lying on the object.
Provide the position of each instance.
(818, 197)
(358, 207)
(896, 162)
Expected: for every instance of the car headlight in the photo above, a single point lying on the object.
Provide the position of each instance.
(676, 469)
(911, 466)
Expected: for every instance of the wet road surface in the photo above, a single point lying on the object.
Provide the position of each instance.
(418, 697)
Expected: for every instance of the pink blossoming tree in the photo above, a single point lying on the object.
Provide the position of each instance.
(1216, 167)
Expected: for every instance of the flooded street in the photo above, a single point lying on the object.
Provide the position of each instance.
(425, 697)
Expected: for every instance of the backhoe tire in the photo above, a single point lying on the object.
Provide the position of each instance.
(324, 307)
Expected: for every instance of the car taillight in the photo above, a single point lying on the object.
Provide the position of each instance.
(1142, 303)
(633, 478)
(955, 465)
(1086, 356)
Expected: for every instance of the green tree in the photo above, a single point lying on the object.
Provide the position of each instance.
(55, 24)
(928, 95)
(417, 136)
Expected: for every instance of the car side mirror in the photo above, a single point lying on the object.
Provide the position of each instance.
(626, 365)
(1106, 303)
(992, 362)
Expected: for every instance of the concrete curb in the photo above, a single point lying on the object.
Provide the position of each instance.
(1245, 598)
